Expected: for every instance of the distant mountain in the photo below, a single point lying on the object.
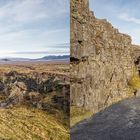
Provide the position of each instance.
(53, 57)
(45, 58)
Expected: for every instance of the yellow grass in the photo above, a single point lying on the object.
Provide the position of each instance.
(78, 114)
(26, 123)
(30, 124)
(134, 82)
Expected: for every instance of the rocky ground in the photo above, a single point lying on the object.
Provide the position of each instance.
(33, 89)
(117, 122)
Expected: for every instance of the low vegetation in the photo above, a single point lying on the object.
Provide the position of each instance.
(30, 124)
(134, 82)
(34, 101)
(78, 114)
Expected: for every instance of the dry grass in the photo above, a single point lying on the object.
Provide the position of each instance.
(31, 124)
(28, 123)
(78, 114)
(135, 82)
(61, 69)
(55, 111)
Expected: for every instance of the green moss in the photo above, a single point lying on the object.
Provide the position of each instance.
(134, 82)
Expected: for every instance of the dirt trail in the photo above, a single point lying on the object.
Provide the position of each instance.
(120, 121)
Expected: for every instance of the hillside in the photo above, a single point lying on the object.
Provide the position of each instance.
(34, 101)
(22, 123)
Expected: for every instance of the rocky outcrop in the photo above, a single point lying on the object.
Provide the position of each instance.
(32, 90)
(101, 60)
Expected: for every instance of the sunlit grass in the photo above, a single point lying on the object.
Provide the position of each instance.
(134, 82)
(32, 124)
(78, 114)
(26, 122)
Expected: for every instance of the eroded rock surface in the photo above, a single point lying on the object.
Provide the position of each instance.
(117, 122)
(34, 90)
(102, 61)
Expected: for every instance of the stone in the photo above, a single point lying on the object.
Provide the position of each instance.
(102, 60)
(138, 93)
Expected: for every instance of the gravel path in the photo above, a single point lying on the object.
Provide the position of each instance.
(120, 121)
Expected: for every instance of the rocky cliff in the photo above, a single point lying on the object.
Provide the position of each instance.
(102, 60)
(34, 90)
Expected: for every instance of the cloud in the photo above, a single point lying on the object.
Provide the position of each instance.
(34, 39)
(33, 54)
(39, 25)
(61, 45)
(41, 52)
(128, 18)
(29, 10)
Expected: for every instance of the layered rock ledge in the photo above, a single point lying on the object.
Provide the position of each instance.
(102, 60)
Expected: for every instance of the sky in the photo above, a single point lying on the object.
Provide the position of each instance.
(122, 14)
(34, 28)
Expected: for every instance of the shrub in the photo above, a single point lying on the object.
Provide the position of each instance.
(134, 82)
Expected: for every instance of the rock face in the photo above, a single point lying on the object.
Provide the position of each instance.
(136, 56)
(32, 90)
(101, 60)
(117, 122)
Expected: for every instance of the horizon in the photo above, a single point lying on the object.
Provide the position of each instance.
(33, 29)
(121, 14)
(34, 58)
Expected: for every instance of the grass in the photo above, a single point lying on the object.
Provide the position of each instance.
(78, 114)
(29, 68)
(134, 82)
(32, 124)
(24, 122)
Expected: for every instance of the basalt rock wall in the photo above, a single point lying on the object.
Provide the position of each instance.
(102, 60)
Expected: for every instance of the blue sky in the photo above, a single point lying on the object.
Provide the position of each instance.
(123, 14)
(34, 28)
